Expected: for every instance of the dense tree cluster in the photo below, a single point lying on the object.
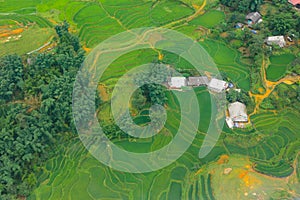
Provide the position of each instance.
(242, 5)
(11, 83)
(154, 93)
(36, 98)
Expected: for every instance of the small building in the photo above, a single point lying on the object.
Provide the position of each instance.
(239, 25)
(177, 82)
(217, 85)
(295, 3)
(237, 115)
(277, 40)
(253, 18)
(198, 81)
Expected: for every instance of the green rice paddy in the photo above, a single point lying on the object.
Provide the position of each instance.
(209, 19)
(74, 174)
(278, 66)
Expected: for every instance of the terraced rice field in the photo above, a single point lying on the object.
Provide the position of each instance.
(228, 61)
(168, 11)
(75, 173)
(275, 151)
(31, 38)
(209, 19)
(22, 30)
(278, 66)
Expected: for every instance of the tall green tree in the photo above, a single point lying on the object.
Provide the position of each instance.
(11, 77)
(281, 23)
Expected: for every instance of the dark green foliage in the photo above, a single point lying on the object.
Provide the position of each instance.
(242, 5)
(57, 101)
(255, 47)
(138, 100)
(154, 93)
(25, 140)
(286, 20)
(281, 23)
(295, 65)
(242, 96)
(289, 97)
(11, 77)
(30, 126)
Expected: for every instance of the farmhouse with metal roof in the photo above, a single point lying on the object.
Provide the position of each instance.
(198, 81)
(253, 18)
(237, 115)
(217, 85)
(277, 40)
(177, 82)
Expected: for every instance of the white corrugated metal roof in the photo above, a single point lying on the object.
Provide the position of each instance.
(238, 112)
(217, 85)
(177, 82)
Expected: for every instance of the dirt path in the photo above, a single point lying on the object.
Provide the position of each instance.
(269, 85)
(102, 92)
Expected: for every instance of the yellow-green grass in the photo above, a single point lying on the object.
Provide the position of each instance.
(278, 66)
(32, 38)
(209, 19)
(242, 182)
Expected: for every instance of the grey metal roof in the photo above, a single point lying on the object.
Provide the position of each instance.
(254, 17)
(197, 81)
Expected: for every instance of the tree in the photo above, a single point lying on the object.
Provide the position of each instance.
(11, 77)
(242, 5)
(28, 132)
(138, 100)
(231, 96)
(254, 4)
(281, 23)
(255, 45)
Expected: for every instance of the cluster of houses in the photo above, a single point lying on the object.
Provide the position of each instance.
(215, 85)
(236, 116)
(256, 18)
